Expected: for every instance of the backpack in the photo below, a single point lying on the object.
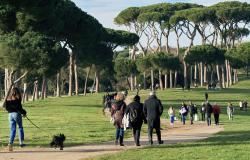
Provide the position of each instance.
(133, 115)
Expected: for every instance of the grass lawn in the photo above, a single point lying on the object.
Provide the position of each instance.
(81, 120)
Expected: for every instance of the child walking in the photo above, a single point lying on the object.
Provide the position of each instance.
(171, 113)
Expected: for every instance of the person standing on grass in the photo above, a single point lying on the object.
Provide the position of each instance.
(230, 111)
(136, 118)
(209, 111)
(171, 113)
(117, 112)
(153, 109)
(15, 110)
(216, 111)
(184, 112)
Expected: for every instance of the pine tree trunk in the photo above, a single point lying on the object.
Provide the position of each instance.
(160, 80)
(132, 82)
(144, 80)
(25, 94)
(223, 76)
(235, 76)
(166, 81)
(171, 79)
(93, 86)
(58, 78)
(195, 75)
(175, 78)
(37, 91)
(230, 74)
(43, 87)
(70, 74)
(135, 81)
(185, 75)
(218, 75)
(34, 92)
(227, 74)
(205, 74)
(201, 74)
(76, 78)
(6, 77)
(191, 76)
(97, 86)
(152, 80)
(86, 81)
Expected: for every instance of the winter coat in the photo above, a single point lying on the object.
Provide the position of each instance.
(153, 109)
(138, 108)
(117, 112)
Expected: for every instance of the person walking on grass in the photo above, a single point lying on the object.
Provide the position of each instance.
(216, 111)
(153, 109)
(209, 111)
(136, 118)
(230, 111)
(117, 113)
(184, 112)
(171, 113)
(16, 111)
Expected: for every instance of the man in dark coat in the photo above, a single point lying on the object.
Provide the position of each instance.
(153, 109)
(136, 118)
(209, 111)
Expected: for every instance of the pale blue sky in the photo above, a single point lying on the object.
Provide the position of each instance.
(106, 10)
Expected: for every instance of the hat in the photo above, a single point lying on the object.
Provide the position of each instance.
(152, 93)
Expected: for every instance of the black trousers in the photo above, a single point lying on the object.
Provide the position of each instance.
(154, 124)
(203, 116)
(136, 134)
(216, 118)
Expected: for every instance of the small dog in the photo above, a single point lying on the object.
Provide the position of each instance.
(57, 141)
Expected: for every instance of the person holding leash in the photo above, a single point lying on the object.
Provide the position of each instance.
(15, 110)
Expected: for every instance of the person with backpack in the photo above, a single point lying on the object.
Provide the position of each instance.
(183, 112)
(203, 111)
(136, 118)
(117, 113)
(153, 109)
(209, 111)
(216, 111)
(14, 107)
(230, 111)
(171, 113)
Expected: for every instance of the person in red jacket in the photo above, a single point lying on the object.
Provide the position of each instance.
(216, 111)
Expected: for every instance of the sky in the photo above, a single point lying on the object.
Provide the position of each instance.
(106, 10)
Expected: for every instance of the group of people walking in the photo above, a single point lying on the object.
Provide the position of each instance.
(149, 112)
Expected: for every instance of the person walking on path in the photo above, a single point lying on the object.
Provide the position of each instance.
(15, 110)
(230, 111)
(117, 113)
(136, 118)
(171, 113)
(153, 109)
(184, 112)
(209, 111)
(203, 111)
(216, 111)
(191, 112)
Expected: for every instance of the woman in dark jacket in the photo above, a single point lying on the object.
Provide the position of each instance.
(136, 118)
(15, 109)
(117, 113)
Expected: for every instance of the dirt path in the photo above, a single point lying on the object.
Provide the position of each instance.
(177, 134)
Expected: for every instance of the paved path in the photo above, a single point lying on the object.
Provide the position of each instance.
(170, 135)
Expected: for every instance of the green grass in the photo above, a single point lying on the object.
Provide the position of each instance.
(81, 120)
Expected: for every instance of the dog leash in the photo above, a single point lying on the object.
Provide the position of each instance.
(49, 134)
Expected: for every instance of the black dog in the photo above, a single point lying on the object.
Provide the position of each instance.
(57, 141)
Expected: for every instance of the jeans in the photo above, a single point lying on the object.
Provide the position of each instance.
(119, 133)
(209, 119)
(16, 118)
(183, 118)
(172, 119)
